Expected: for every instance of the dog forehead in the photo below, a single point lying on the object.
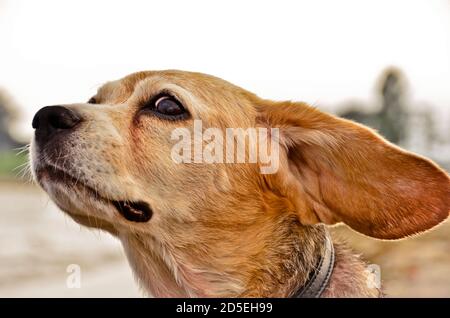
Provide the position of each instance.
(118, 91)
(195, 83)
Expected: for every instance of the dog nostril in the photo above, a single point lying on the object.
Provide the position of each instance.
(62, 120)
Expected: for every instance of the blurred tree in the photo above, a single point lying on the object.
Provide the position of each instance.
(8, 116)
(391, 119)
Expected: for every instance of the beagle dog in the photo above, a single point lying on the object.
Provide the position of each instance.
(220, 228)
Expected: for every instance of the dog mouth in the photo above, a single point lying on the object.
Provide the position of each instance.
(134, 211)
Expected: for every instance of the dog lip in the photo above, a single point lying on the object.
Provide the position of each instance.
(134, 211)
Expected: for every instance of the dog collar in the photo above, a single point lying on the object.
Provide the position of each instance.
(320, 276)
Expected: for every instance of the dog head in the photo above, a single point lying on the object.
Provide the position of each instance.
(109, 163)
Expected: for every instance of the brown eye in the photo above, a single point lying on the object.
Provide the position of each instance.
(166, 107)
(92, 100)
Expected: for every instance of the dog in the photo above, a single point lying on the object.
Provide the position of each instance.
(226, 229)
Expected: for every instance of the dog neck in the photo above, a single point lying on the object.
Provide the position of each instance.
(225, 267)
(320, 276)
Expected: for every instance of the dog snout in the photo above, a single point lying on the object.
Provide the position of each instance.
(51, 120)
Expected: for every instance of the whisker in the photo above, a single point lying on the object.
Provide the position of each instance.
(22, 147)
(21, 166)
(21, 150)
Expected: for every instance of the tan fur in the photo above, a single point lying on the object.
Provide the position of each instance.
(226, 230)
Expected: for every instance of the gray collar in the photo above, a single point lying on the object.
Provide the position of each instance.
(320, 276)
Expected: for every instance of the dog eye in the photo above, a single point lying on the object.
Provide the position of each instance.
(165, 106)
(92, 100)
(168, 107)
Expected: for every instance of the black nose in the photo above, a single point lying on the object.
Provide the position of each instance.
(52, 119)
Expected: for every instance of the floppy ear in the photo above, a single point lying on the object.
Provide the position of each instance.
(334, 170)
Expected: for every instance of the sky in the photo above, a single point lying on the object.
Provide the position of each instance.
(322, 52)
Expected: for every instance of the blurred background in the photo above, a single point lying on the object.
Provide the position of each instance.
(382, 63)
